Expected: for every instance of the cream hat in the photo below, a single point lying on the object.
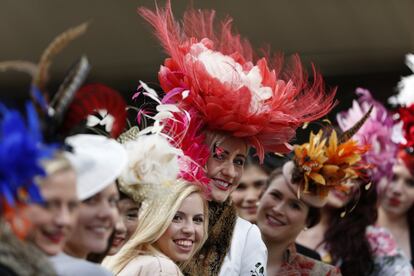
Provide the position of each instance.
(98, 162)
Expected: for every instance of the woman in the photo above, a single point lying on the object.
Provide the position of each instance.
(54, 220)
(281, 217)
(21, 153)
(98, 162)
(169, 233)
(396, 208)
(231, 102)
(252, 185)
(350, 214)
(127, 223)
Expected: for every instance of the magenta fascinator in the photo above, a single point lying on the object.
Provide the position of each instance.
(377, 131)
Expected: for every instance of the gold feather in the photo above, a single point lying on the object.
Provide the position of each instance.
(20, 66)
(53, 49)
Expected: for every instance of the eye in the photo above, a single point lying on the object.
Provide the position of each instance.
(295, 206)
(259, 183)
(239, 162)
(113, 201)
(410, 183)
(73, 206)
(92, 200)
(132, 214)
(177, 218)
(241, 187)
(198, 219)
(276, 195)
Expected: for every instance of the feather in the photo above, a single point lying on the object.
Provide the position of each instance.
(20, 66)
(68, 88)
(232, 89)
(354, 129)
(52, 50)
(91, 99)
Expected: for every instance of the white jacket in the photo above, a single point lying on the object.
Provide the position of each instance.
(248, 253)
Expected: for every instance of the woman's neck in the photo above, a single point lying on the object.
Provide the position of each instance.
(313, 238)
(391, 221)
(276, 251)
(75, 252)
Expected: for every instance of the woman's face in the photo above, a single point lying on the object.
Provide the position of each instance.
(54, 221)
(225, 167)
(247, 194)
(186, 231)
(126, 225)
(339, 198)
(96, 221)
(399, 194)
(281, 216)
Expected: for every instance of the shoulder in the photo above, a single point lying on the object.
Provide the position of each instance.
(151, 265)
(68, 265)
(243, 228)
(381, 241)
(309, 266)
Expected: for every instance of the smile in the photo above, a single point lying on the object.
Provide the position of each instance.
(184, 245)
(273, 221)
(221, 184)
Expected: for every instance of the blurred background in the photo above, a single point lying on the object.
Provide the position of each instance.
(353, 43)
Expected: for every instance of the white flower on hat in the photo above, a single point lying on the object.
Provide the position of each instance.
(152, 162)
(227, 70)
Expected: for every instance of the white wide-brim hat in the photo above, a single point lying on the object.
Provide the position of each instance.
(98, 161)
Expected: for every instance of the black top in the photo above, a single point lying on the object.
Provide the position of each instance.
(307, 252)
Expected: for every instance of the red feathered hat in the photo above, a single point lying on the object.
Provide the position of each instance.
(214, 72)
(406, 152)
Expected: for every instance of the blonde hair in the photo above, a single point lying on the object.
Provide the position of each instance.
(154, 220)
(58, 163)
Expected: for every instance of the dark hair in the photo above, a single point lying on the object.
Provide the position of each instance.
(345, 238)
(314, 214)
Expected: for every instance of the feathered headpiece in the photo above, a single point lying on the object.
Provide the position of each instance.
(181, 128)
(377, 131)
(326, 162)
(21, 150)
(405, 96)
(71, 106)
(214, 73)
(152, 165)
(406, 153)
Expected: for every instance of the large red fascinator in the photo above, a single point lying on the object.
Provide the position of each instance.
(214, 72)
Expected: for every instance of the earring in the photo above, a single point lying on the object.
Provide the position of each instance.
(257, 203)
(305, 228)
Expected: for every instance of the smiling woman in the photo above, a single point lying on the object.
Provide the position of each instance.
(171, 229)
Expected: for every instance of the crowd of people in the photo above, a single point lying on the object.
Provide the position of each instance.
(204, 180)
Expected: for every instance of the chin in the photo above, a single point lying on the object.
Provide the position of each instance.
(50, 250)
(220, 196)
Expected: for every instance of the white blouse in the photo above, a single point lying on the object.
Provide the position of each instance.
(248, 253)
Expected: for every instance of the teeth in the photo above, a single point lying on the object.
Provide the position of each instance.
(186, 243)
(274, 220)
(100, 230)
(222, 183)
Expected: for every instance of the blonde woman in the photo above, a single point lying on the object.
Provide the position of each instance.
(171, 229)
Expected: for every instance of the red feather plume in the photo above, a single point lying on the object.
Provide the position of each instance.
(232, 90)
(93, 98)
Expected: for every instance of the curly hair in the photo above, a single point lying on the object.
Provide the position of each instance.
(345, 238)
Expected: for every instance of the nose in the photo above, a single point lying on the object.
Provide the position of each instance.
(229, 170)
(120, 227)
(188, 228)
(252, 195)
(397, 187)
(279, 208)
(63, 218)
